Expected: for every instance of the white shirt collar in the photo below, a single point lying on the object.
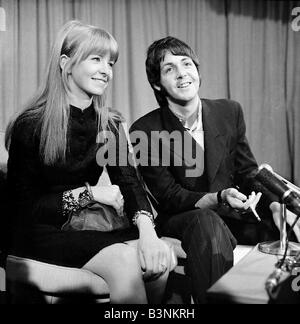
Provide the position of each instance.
(197, 125)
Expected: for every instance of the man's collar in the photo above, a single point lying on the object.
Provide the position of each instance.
(197, 125)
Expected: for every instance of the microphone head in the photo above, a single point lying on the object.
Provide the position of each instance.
(265, 166)
(268, 179)
(277, 186)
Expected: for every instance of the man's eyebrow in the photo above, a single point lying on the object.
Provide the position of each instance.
(167, 64)
(186, 58)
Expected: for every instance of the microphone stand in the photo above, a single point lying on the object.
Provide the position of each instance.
(290, 251)
(283, 246)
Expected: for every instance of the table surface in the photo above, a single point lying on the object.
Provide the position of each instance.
(245, 282)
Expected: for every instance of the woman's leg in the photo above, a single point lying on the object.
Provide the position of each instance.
(155, 289)
(118, 265)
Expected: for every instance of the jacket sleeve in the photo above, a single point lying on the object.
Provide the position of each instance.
(28, 192)
(122, 172)
(170, 196)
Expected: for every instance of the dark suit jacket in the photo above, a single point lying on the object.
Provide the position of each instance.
(228, 158)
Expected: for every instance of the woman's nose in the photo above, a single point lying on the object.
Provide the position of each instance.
(105, 69)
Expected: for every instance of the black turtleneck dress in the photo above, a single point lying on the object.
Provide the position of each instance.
(36, 193)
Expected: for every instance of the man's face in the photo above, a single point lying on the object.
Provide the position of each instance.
(179, 78)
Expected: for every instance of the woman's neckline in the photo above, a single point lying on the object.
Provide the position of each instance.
(81, 105)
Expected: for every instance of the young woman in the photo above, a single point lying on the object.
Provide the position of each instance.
(52, 168)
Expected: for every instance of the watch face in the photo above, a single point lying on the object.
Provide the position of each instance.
(83, 202)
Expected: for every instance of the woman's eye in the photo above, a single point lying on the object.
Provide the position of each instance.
(96, 58)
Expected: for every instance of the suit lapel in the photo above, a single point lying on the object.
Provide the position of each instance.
(171, 124)
(214, 141)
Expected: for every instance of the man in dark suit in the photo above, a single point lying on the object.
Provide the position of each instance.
(196, 162)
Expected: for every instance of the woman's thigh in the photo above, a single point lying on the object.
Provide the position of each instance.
(117, 259)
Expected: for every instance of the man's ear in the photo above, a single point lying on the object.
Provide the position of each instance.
(157, 87)
(63, 61)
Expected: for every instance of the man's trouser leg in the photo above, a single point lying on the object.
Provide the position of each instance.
(208, 244)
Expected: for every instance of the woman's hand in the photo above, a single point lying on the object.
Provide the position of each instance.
(109, 195)
(156, 256)
(290, 218)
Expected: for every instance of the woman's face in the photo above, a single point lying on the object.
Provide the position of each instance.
(91, 76)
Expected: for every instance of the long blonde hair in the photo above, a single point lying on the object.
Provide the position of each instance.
(50, 106)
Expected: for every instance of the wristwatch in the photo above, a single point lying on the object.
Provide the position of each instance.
(84, 198)
(219, 197)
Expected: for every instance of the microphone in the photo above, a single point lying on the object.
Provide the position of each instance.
(268, 178)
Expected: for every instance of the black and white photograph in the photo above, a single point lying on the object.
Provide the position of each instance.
(149, 154)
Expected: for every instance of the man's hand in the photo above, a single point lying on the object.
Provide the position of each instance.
(290, 218)
(238, 200)
(233, 197)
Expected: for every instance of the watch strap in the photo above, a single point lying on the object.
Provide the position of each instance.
(219, 197)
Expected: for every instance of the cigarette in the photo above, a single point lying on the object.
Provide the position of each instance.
(255, 213)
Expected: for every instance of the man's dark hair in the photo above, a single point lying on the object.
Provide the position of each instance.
(155, 55)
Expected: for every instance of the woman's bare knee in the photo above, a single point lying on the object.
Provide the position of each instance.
(115, 257)
(118, 265)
